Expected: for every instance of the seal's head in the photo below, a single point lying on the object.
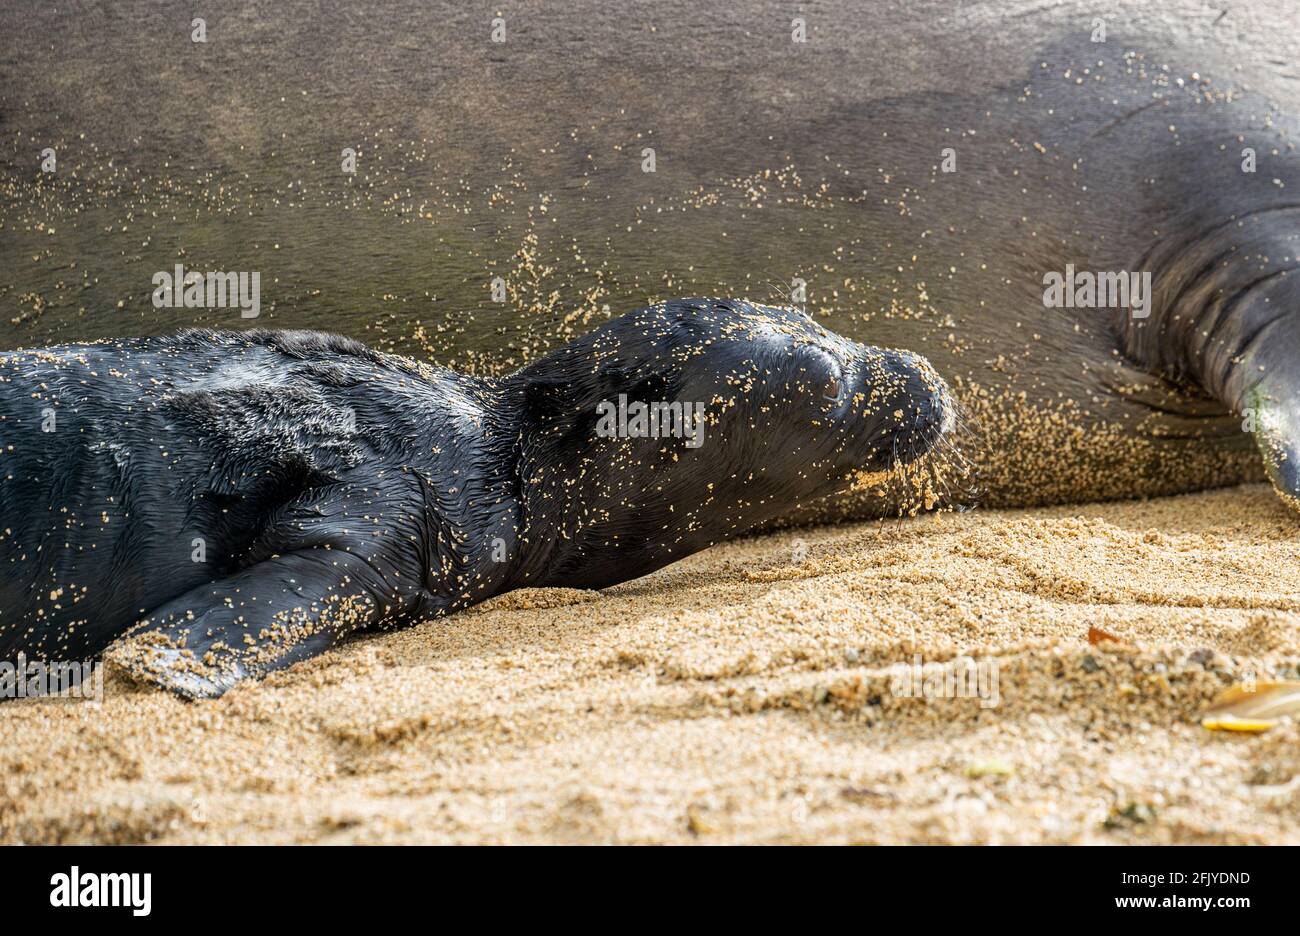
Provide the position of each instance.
(675, 426)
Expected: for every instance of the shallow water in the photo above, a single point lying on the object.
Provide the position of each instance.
(168, 151)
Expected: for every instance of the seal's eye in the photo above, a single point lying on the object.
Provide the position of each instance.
(833, 389)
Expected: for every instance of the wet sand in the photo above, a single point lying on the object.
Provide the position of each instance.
(751, 693)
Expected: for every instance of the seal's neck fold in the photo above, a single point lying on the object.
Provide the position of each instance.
(1226, 316)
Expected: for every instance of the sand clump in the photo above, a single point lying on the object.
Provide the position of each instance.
(746, 694)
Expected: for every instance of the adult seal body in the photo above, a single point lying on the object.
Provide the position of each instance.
(243, 500)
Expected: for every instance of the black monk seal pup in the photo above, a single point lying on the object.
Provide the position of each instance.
(238, 501)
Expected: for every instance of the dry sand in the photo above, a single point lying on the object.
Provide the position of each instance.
(743, 695)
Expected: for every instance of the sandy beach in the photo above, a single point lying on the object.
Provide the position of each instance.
(753, 693)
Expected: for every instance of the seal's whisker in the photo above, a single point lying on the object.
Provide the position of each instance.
(783, 293)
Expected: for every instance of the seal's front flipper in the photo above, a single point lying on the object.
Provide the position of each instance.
(1275, 421)
(1261, 379)
(335, 562)
(264, 618)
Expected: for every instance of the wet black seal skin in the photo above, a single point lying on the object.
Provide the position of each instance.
(238, 501)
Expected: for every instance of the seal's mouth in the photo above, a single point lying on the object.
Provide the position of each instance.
(914, 452)
(905, 409)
